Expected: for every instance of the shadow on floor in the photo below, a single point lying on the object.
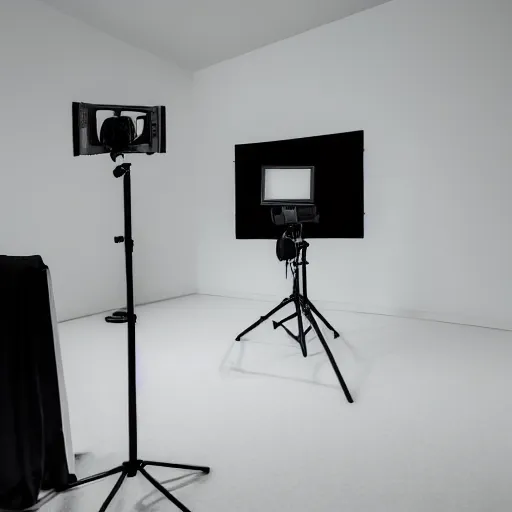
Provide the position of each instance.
(173, 484)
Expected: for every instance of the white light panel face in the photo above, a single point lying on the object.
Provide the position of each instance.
(287, 184)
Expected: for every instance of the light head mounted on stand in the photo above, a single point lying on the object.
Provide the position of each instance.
(292, 217)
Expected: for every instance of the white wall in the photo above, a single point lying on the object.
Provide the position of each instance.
(69, 209)
(430, 82)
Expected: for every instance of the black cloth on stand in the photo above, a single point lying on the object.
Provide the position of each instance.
(32, 447)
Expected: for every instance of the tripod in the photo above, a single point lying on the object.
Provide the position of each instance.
(134, 465)
(302, 306)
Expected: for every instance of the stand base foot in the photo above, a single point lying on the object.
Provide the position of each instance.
(130, 469)
(203, 469)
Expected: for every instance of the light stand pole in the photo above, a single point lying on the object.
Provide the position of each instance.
(302, 306)
(134, 465)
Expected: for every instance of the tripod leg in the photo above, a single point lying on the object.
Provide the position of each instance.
(113, 492)
(290, 333)
(301, 335)
(94, 478)
(204, 469)
(284, 303)
(284, 320)
(319, 315)
(334, 365)
(163, 490)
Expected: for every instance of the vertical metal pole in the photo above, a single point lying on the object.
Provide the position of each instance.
(132, 385)
(304, 270)
(302, 334)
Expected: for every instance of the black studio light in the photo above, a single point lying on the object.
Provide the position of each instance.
(290, 192)
(117, 130)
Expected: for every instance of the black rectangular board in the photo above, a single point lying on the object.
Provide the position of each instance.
(339, 184)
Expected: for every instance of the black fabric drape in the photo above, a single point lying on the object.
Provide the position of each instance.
(32, 449)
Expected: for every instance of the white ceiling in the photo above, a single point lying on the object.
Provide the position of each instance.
(198, 33)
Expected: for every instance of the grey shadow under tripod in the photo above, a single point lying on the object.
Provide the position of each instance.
(303, 306)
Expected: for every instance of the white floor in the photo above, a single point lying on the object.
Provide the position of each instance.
(431, 429)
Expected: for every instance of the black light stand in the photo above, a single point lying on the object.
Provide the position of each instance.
(302, 306)
(134, 465)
